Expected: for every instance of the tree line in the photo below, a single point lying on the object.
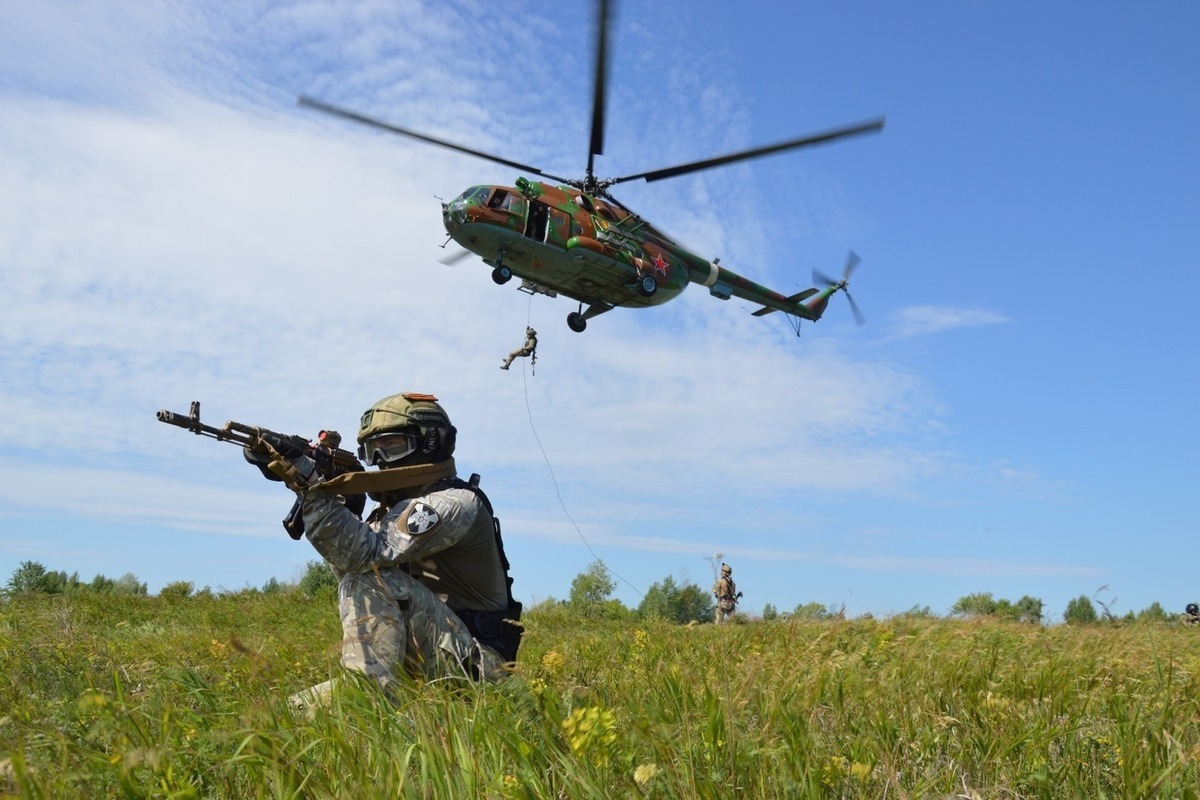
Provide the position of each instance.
(33, 577)
(591, 595)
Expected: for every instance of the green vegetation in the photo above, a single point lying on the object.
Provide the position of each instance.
(32, 576)
(185, 695)
(591, 594)
(1027, 609)
(1080, 611)
(668, 601)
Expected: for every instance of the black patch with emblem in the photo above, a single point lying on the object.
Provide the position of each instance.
(420, 518)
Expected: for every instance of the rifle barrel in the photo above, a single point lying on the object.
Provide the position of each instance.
(191, 422)
(251, 436)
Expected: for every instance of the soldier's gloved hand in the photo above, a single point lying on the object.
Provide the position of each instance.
(298, 472)
(260, 459)
(282, 445)
(279, 460)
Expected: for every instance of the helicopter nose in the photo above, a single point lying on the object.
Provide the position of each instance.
(453, 218)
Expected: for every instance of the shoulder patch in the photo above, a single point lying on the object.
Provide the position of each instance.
(419, 518)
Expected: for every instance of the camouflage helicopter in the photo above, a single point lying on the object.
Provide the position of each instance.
(573, 238)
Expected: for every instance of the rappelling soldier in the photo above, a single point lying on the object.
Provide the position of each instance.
(527, 349)
(423, 584)
(725, 590)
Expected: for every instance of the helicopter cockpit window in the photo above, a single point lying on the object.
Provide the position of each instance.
(584, 202)
(476, 195)
(500, 199)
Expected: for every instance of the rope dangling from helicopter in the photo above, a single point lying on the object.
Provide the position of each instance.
(558, 491)
(529, 327)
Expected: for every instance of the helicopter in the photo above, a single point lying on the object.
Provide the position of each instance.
(571, 237)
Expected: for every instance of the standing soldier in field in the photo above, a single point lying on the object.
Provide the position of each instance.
(423, 584)
(527, 349)
(726, 593)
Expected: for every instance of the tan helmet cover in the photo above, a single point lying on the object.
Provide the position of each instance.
(413, 413)
(398, 412)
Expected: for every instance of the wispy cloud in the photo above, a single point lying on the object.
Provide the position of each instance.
(914, 321)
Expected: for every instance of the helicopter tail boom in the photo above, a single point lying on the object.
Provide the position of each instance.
(723, 283)
(794, 299)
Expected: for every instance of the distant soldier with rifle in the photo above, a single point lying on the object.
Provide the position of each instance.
(726, 593)
(1191, 614)
(423, 583)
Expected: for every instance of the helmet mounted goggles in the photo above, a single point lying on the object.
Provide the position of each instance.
(387, 448)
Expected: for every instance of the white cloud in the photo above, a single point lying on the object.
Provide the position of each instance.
(917, 321)
(199, 238)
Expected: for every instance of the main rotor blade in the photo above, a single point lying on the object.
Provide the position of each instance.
(870, 126)
(454, 258)
(354, 116)
(599, 84)
(852, 261)
(858, 315)
(821, 277)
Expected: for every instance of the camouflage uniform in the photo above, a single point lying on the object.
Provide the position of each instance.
(410, 579)
(391, 619)
(526, 349)
(726, 593)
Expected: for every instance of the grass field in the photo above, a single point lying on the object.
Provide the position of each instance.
(112, 696)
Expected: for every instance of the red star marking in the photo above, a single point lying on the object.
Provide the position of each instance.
(660, 263)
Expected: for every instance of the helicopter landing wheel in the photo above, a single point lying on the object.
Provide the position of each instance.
(502, 274)
(576, 322)
(647, 286)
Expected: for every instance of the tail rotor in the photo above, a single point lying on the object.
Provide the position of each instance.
(852, 261)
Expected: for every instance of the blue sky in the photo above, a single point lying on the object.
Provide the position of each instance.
(1017, 417)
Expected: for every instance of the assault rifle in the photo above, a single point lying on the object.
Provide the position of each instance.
(259, 445)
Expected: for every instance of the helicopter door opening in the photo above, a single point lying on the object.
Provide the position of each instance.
(559, 229)
(535, 224)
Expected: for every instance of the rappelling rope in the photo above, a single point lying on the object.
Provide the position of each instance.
(554, 480)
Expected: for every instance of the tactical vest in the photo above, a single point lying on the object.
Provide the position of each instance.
(499, 630)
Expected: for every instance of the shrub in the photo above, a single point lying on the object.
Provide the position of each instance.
(810, 611)
(128, 584)
(177, 589)
(1080, 611)
(318, 579)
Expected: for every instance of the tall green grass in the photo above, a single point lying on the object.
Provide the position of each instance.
(135, 697)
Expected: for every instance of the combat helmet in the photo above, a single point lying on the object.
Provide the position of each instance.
(403, 429)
